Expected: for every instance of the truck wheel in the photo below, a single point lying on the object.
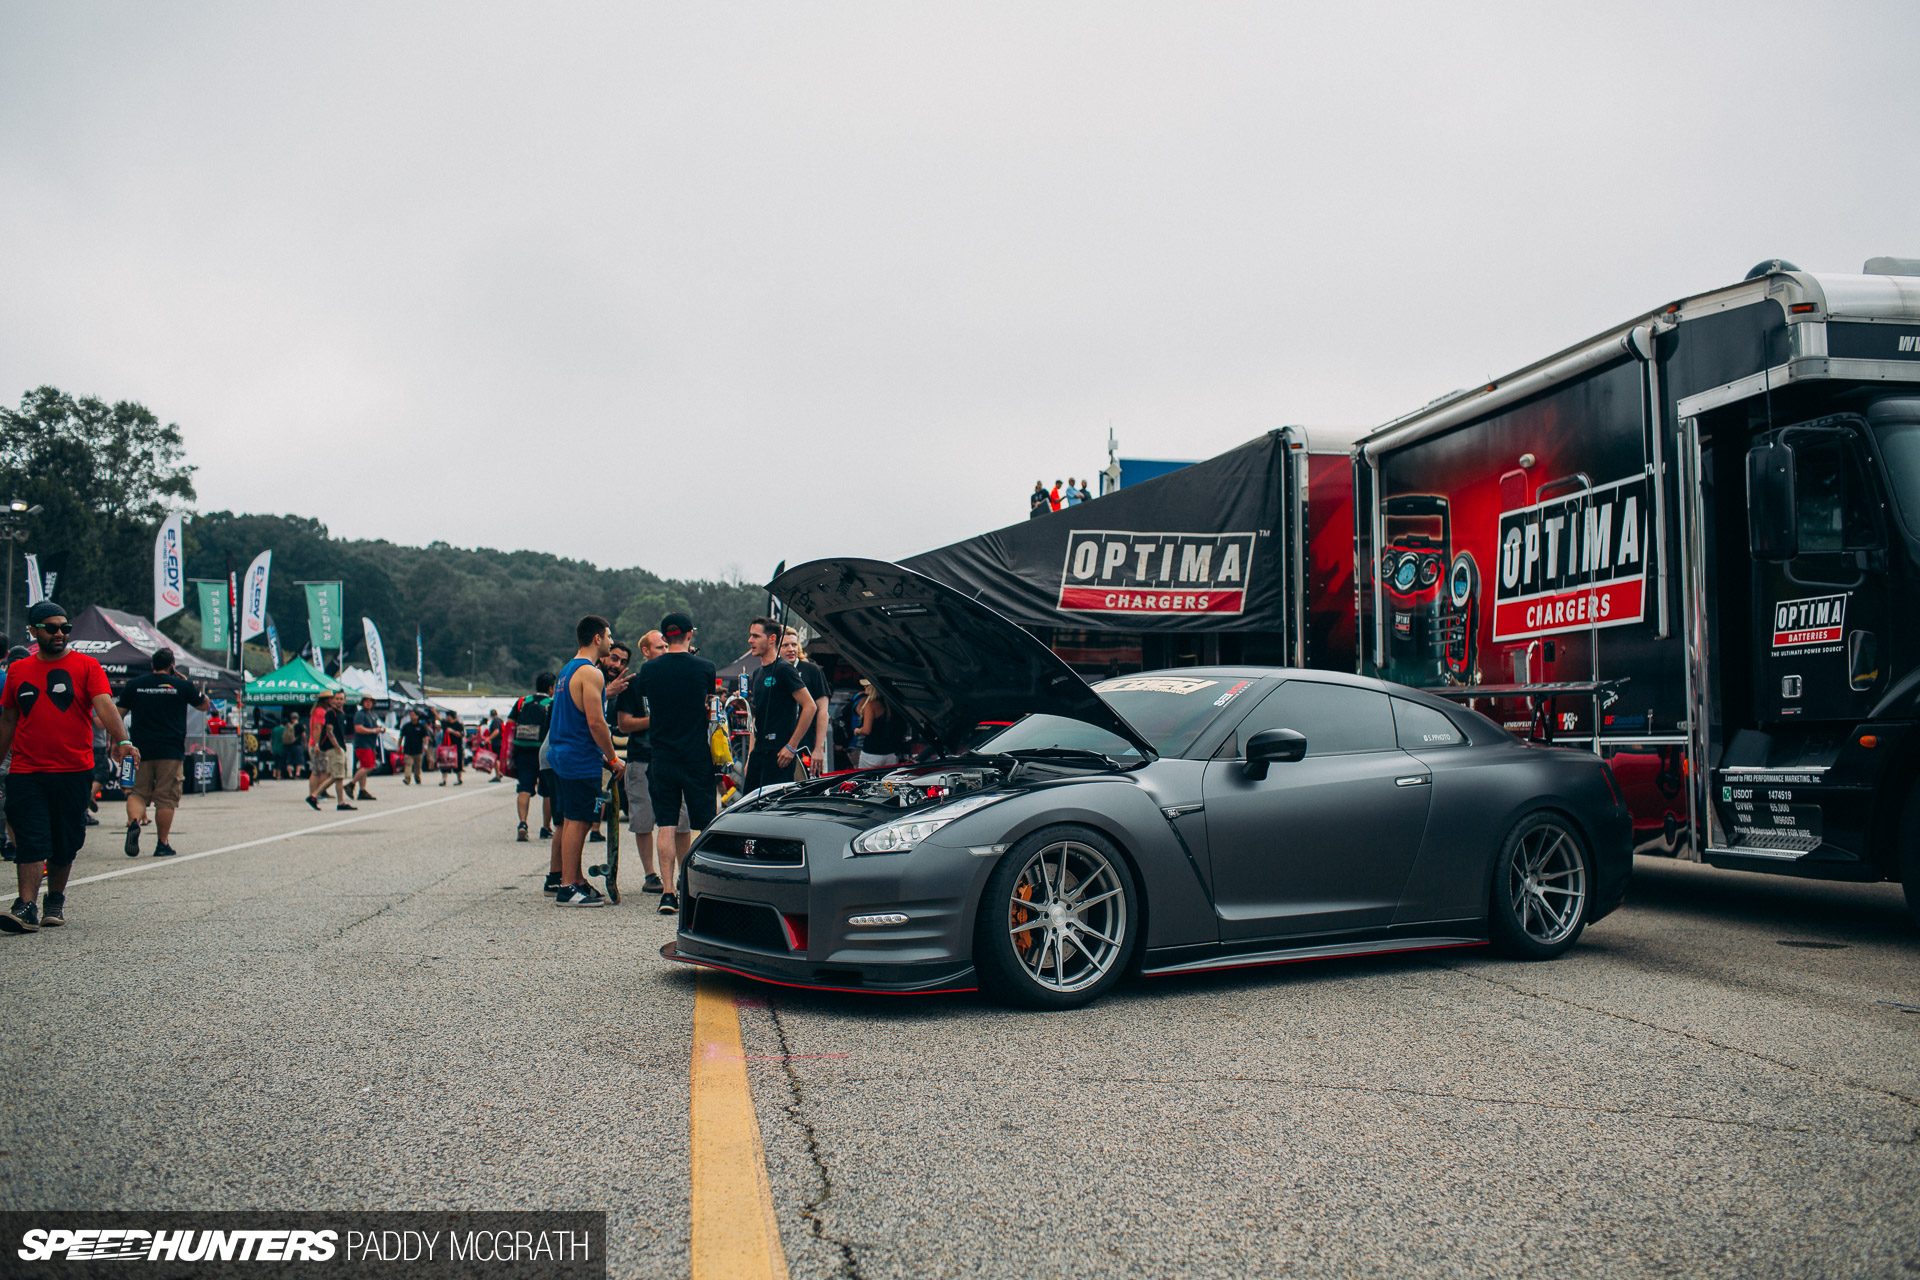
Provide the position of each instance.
(1539, 905)
(1058, 922)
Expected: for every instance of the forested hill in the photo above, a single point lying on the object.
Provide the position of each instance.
(514, 610)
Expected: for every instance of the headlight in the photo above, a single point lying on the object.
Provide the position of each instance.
(902, 835)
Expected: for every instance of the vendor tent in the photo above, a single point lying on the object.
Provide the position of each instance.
(295, 683)
(124, 644)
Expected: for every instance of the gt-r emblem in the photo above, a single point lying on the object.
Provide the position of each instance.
(747, 848)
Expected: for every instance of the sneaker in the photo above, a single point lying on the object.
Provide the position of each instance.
(164, 851)
(652, 885)
(90, 820)
(366, 795)
(594, 837)
(443, 782)
(546, 833)
(133, 840)
(313, 803)
(553, 883)
(521, 834)
(22, 917)
(344, 805)
(579, 895)
(669, 905)
(54, 913)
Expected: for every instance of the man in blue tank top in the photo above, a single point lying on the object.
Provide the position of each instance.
(579, 745)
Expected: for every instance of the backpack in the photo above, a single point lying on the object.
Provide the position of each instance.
(530, 721)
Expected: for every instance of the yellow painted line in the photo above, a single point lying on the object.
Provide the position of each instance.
(735, 1236)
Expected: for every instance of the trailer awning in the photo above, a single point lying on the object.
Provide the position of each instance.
(1200, 549)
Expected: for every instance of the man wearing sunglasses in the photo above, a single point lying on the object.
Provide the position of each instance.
(46, 717)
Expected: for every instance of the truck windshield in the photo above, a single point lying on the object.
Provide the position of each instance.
(1896, 426)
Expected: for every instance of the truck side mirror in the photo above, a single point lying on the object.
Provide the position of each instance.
(1273, 746)
(1772, 530)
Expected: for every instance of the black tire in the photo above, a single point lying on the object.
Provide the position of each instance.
(1092, 957)
(1542, 888)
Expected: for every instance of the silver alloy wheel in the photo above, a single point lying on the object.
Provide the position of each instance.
(1547, 883)
(1067, 916)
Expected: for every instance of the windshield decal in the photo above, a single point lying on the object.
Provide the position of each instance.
(1154, 684)
(1231, 694)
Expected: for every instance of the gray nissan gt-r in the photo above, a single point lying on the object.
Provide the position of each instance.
(1168, 822)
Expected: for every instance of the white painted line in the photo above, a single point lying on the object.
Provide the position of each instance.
(284, 835)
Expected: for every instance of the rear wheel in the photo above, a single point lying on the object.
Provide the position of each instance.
(1058, 922)
(1540, 888)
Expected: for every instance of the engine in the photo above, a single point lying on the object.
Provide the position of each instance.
(919, 784)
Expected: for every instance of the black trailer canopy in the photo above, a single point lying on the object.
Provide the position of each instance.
(124, 645)
(1200, 549)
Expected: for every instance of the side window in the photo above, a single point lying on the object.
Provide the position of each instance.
(1831, 496)
(1336, 719)
(1422, 728)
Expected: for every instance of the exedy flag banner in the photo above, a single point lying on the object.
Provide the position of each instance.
(253, 597)
(169, 570)
(212, 600)
(376, 652)
(324, 627)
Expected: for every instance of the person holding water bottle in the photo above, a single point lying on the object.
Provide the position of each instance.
(47, 709)
(158, 703)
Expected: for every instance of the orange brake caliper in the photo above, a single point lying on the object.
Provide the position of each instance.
(1023, 939)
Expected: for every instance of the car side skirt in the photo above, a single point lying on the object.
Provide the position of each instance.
(1299, 955)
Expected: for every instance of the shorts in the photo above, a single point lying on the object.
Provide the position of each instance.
(48, 814)
(576, 799)
(366, 758)
(549, 783)
(158, 783)
(334, 762)
(526, 772)
(674, 785)
(640, 818)
(763, 769)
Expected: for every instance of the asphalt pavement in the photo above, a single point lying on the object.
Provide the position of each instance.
(1723, 1079)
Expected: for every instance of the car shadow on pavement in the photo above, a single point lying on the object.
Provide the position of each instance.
(1863, 913)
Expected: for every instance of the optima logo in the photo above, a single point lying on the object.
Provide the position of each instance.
(1813, 620)
(1572, 563)
(1116, 571)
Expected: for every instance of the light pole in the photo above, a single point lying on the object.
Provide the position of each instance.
(13, 529)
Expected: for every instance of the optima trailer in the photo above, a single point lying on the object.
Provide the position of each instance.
(1693, 544)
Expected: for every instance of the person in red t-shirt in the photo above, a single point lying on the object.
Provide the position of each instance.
(46, 717)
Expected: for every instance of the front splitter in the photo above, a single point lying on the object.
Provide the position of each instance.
(671, 951)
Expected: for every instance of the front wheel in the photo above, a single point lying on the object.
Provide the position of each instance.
(1058, 922)
(1539, 905)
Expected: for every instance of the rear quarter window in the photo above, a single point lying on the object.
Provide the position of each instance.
(1423, 728)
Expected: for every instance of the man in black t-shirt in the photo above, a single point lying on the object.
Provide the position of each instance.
(677, 686)
(782, 708)
(819, 730)
(631, 717)
(158, 706)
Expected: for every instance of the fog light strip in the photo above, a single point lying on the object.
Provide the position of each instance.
(867, 922)
(735, 1236)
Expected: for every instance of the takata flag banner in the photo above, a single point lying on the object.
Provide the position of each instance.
(376, 652)
(1199, 549)
(253, 597)
(324, 627)
(35, 593)
(1573, 563)
(169, 570)
(212, 599)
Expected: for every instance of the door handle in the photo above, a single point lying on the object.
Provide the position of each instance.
(1413, 780)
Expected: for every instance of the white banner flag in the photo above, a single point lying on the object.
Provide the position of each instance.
(376, 653)
(169, 570)
(253, 597)
(35, 593)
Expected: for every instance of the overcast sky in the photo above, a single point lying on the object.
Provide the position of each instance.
(703, 286)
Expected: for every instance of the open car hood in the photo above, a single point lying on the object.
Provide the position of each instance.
(943, 660)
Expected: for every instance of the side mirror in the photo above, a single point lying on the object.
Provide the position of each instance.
(1773, 532)
(1273, 746)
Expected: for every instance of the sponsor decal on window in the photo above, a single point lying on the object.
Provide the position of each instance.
(1154, 684)
(1810, 621)
(1573, 563)
(1117, 571)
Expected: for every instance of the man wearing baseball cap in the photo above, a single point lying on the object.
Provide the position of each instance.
(676, 686)
(46, 717)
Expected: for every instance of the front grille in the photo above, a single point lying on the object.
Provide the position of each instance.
(738, 924)
(761, 850)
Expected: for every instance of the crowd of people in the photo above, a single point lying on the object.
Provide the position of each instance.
(1067, 493)
(644, 727)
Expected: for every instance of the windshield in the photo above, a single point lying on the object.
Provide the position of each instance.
(1896, 425)
(1170, 711)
